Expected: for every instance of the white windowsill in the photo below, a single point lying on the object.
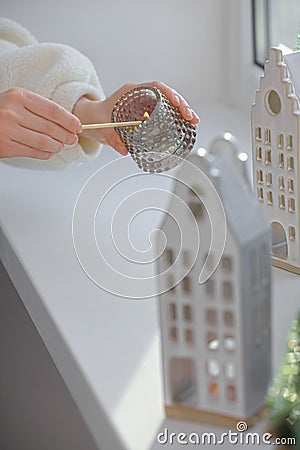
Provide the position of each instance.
(106, 348)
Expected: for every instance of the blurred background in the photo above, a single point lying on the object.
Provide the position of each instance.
(210, 51)
(191, 45)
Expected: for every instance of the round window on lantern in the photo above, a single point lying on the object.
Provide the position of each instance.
(273, 102)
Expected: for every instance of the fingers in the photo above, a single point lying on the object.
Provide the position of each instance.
(38, 141)
(110, 137)
(15, 149)
(31, 121)
(177, 100)
(34, 124)
(51, 111)
(173, 96)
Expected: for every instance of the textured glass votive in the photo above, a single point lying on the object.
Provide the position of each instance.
(160, 141)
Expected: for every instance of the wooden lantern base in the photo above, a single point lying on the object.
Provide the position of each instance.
(201, 416)
(285, 266)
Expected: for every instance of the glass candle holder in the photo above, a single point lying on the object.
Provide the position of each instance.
(163, 138)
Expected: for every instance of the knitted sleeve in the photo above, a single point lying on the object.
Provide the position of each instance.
(55, 71)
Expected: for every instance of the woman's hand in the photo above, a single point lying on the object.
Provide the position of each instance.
(89, 111)
(33, 126)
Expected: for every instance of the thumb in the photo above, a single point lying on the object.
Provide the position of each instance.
(116, 143)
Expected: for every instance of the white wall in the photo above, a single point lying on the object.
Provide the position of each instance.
(243, 73)
(182, 42)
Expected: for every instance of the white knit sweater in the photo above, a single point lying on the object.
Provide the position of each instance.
(55, 71)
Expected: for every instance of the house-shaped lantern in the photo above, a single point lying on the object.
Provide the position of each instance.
(275, 148)
(215, 336)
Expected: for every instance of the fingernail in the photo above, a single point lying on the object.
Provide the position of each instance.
(189, 113)
(75, 140)
(59, 148)
(79, 129)
(176, 100)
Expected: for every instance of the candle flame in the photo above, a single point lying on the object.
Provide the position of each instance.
(146, 115)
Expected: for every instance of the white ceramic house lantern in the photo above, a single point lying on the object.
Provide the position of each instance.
(276, 145)
(216, 335)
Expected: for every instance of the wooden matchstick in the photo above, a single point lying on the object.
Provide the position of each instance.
(91, 126)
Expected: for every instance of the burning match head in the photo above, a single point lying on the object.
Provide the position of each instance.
(164, 137)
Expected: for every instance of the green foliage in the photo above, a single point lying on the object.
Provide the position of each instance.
(283, 400)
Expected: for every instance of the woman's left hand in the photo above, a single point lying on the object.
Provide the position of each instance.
(89, 111)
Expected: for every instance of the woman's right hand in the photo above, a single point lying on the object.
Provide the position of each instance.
(33, 126)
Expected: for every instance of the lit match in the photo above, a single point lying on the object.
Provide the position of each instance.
(92, 126)
(133, 123)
